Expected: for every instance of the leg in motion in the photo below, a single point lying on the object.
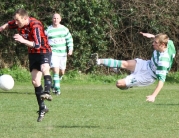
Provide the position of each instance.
(56, 79)
(42, 113)
(105, 62)
(42, 107)
(113, 63)
(45, 68)
(36, 81)
(56, 84)
(47, 85)
(121, 84)
(110, 63)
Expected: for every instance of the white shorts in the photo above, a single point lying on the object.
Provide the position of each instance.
(141, 76)
(57, 61)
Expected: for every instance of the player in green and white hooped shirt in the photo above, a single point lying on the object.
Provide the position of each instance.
(61, 42)
(145, 72)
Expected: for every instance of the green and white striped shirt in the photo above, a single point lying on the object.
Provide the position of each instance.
(161, 62)
(60, 40)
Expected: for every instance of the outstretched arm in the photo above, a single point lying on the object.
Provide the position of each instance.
(3, 27)
(147, 35)
(151, 98)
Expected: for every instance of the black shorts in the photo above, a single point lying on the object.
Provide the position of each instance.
(36, 60)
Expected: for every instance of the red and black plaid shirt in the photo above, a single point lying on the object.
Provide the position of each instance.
(34, 31)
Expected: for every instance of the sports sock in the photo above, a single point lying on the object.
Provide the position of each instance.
(47, 83)
(56, 81)
(110, 63)
(38, 92)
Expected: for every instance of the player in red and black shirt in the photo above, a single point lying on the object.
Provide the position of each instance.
(31, 33)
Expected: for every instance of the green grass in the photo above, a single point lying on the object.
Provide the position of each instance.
(91, 111)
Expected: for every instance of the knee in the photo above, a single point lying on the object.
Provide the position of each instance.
(125, 64)
(118, 83)
(44, 69)
(121, 84)
(35, 83)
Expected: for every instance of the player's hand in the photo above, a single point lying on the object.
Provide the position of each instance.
(19, 38)
(147, 35)
(1, 29)
(70, 52)
(150, 98)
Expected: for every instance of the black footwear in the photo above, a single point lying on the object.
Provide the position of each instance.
(55, 91)
(46, 96)
(42, 114)
(93, 60)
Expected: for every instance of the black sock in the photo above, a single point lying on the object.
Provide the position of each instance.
(47, 83)
(38, 92)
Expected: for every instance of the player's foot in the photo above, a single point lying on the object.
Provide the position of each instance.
(42, 114)
(57, 93)
(46, 96)
(93, 60)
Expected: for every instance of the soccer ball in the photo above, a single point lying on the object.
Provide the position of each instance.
(6, 82)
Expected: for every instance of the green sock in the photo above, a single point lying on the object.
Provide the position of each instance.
(112, 63)
(56, 81)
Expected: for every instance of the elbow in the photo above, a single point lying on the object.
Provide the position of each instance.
(36, 46)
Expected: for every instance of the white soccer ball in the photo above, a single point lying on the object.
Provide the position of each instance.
(6, 82)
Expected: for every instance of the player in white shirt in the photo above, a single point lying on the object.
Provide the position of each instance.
(144, 72)
(61, 42)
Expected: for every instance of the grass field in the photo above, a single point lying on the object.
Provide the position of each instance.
(91, 111)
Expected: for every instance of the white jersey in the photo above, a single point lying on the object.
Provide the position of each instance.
(60, 40)
(161, 62)
(147, 71)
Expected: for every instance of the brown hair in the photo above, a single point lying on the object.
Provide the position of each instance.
(21, 12)
(162, 38)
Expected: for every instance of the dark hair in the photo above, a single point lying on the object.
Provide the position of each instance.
(21, 12)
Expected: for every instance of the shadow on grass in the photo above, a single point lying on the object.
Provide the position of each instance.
(167, 104)
(6, 92)
(90, 127)
(79, 126)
